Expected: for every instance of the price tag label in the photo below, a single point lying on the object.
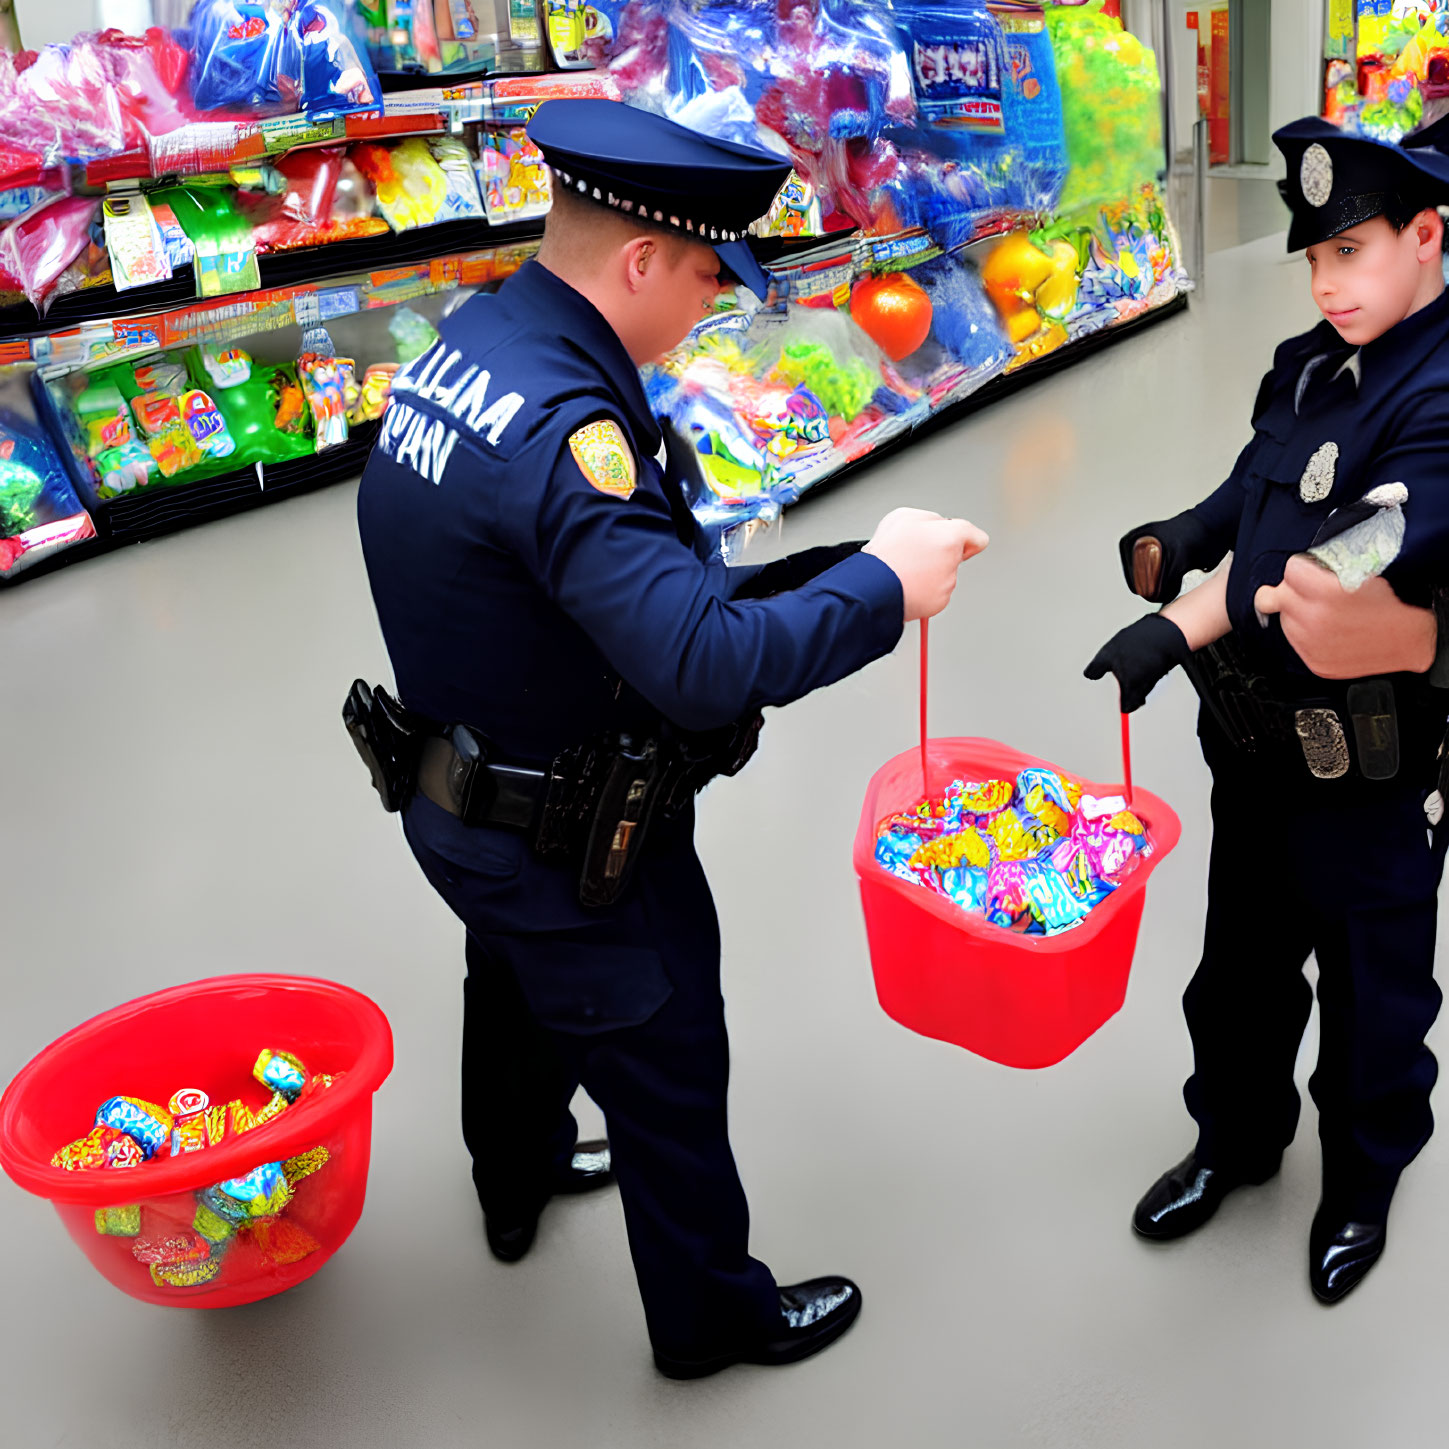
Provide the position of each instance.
(336, 302)
(307, 309)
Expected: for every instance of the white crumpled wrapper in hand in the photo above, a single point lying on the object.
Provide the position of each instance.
(1368, 548)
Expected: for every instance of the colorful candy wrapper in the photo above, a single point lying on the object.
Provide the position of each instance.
(284, 1241)
(184, 1275)
(987, 797)
(171, 1247)
(1039, 784)
(158, 375)
(1013, 841)
(967, 886)
(1052, 903)
(228, 368)
(281, 1072)
(155, 412)
(102, 1147)
(212, 1226)
(895, 850)
(207, 427)
(119, 1222)
(946, 852)
(261, 1193)
(174, 450)
(294, 1169)
(110, 431)
(145, 1122)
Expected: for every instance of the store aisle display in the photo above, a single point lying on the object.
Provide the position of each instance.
(975, 187)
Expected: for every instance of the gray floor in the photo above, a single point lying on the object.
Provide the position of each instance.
(181, 801)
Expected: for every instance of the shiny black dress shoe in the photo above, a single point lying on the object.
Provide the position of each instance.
(1341, 1253)
(1186, 1196)
(812, 1316)
(590, 1168)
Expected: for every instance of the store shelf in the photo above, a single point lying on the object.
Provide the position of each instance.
(212, 146)
(155, 511)
(223, 321)
(292, 270)
(1004, 385)
(164, 510)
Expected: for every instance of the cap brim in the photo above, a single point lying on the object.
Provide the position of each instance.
(738, 263)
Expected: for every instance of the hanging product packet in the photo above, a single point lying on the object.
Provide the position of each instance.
(134, 242)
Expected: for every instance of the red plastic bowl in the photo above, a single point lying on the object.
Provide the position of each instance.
(1024, 1001)
(206, 1035)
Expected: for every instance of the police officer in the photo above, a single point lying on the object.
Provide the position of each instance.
(1326, 795)
(576, 660)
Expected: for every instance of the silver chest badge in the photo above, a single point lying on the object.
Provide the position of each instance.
(1315, 175)
(1317, 481)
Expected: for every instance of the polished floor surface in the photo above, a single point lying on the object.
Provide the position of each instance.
(180, 800)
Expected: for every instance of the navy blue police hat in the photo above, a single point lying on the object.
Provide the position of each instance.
(1336, 180)
(651, 167)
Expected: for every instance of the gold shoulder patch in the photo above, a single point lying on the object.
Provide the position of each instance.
(602, 453)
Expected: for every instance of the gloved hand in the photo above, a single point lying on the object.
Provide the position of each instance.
(1184, 546)
(1139, 656)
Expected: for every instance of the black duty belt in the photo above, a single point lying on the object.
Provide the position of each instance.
(513, 794)
(591, 806)
(1361, 728)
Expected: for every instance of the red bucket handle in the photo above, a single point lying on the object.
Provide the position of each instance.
(925, 695)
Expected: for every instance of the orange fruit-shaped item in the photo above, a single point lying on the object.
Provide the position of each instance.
(893, 311)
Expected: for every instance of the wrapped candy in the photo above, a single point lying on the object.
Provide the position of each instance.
(1033, 855)
(144, 1121)
(281, 1072)
(119, 1222)
(101, 1147)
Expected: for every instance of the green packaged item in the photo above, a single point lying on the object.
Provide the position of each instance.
(226, 254)
(1111, 106)
(411, 334)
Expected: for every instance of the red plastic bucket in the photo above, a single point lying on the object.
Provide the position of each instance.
(208, 1035)
(1024, 1001)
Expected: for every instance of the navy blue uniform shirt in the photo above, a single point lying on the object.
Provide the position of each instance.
(1331, 423)
(529, 548)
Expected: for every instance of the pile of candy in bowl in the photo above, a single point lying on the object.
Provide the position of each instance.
(1033, 855)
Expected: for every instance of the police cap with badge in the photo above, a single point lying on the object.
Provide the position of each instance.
(1336, 181)
(655, 170)
(592, 805)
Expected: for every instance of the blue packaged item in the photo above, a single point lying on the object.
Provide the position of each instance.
(966, 885)
(1035, 137)
(40, 512)
(275, 60)
(150, 1130)
(894, 850)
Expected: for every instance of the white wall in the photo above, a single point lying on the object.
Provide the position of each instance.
(43, 22)
(1295, 70)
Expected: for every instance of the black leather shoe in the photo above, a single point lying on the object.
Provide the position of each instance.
(1341, 1253)
(812, 1316)
(590, 1168)
(1186, 1196)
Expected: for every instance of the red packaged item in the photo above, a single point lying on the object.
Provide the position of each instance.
(38, 247)
(327, 200)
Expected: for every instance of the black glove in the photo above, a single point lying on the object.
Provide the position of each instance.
(1139, 656)
(1184, 545)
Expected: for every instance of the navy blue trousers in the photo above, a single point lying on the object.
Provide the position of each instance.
(625, 1002)
(1348, 872)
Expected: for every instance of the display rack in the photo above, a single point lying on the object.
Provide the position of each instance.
(1124, 270)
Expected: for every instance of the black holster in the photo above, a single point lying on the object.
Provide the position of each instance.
(388, 737)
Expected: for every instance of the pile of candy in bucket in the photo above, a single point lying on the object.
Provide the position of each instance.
(1033, 856)
(130, 1132)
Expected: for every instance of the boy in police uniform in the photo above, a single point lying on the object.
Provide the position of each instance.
(1326, 802)
(576, 661)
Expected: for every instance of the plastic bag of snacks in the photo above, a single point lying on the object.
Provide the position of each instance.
(40, 513)
(271, 59)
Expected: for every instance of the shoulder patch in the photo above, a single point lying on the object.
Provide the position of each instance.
(602, 453)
